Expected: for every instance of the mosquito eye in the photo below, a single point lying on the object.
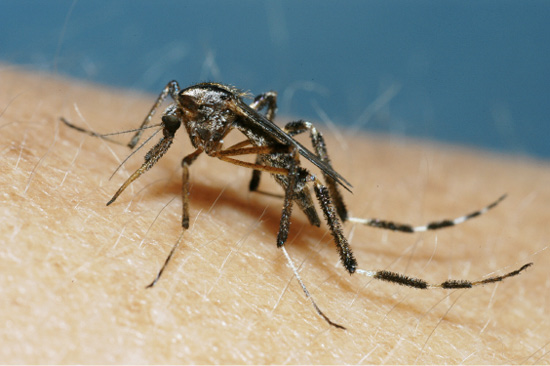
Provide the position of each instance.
(187, 102)
(171, 123)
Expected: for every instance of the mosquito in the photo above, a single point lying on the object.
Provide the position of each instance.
(210, 111)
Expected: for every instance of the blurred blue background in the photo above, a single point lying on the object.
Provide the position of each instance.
(467, 72)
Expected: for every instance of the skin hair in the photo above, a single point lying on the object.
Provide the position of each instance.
(74, 271)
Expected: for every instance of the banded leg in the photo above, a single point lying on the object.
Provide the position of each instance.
(418, 283)
(390, 225)
(318, 142)
(172, 89)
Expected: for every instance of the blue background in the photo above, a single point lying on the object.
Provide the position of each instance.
(468, 72)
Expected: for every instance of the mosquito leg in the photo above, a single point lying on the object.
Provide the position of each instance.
(318, 142)
(346, 255)
(255, 181)
(302, 195)
(238, 149)
(174, 247)
(256, 175)
(306, 292)
(265, 168)
(268, 99)
(171, 124)
(390, 225)
(304, 200)
(185, 163)
(172, 88)
(292, 181)
(418, 283)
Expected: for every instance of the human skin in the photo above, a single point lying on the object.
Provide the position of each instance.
(73, 271)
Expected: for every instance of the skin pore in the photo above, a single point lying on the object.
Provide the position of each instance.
(74, 271)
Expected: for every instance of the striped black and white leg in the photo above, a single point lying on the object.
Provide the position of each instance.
(418, 283)
(435, 225)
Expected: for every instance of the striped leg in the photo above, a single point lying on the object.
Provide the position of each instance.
(418, 283)
(394, 226)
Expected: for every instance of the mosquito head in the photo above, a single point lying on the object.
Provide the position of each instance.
(208, 113)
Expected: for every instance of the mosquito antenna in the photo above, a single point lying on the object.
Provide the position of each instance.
(88, 132)
(104, 135)
(136, 150)
(132, 130)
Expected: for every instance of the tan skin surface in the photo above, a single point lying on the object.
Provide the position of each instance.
(74, 271)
